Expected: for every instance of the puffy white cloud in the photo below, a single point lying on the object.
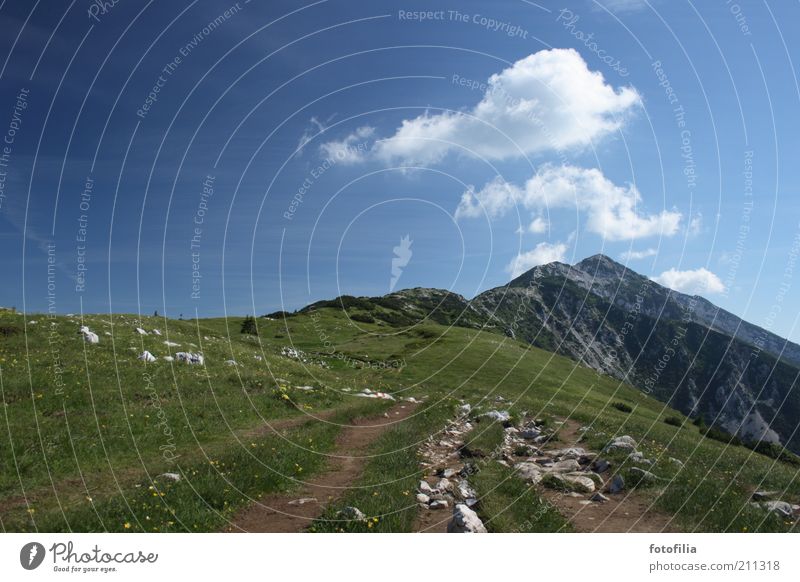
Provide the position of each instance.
(694, 282)
(611, 211)
(632, 255)
(548, 101)
(538, 225)
(541, 254)
(351, 149)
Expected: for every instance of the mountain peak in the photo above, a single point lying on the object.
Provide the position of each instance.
(601, 265)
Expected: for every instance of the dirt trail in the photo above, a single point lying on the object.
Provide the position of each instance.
(293, 512)
(71, 490)
(629, 511)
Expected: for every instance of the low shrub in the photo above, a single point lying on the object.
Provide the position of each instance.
(622, 407)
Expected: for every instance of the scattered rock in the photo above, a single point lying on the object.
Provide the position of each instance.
(617, 484)
(498, 415)
(641, 477)
(231, 363)
(438, 504)
(465, 520)
(190, 358)
(637, 457)
(764, 495)
(530, 472)
(156, 332)
(676, 461)
(146, 356)
(565, 466)
(444, 485)
(140, 331)
(465, 409)
(424, 487)
(304, 500)
(621, 443)
(351, 514)
(600, 466)
(580, 483)
(169, 359)
(422, 498)
(599, 498)
(175, 477)
(780, 508)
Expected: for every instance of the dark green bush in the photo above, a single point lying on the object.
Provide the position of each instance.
(674, 421)
(622, 407)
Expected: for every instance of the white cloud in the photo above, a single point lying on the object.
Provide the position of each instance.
(538, 225)
(541, 254)
(694, 282)
(351, 149)
(548, 101)
(611, 211)
(637, 255)
(314, 128)
(696, 224)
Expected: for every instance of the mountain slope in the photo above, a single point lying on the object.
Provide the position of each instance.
(682, 349)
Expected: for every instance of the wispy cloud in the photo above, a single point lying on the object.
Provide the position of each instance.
(632, 255)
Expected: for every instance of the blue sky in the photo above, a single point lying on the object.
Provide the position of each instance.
(290, 147)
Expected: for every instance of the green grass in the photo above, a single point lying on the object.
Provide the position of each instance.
(104, 424)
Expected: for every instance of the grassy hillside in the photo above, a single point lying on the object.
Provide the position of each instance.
(82, 443)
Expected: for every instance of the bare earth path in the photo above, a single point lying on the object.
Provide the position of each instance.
(629, 511)
(283, 514)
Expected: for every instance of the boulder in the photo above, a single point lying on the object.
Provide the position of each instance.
(530, 472)
(621, 443)
(565, 466)
(190, 358)
(641, 477)
(90, 337)
(175, 477)
(351, 514)
(498, 415)
(780, 508)
(444, 485)
(763, 495)
(466, 492)
(569, 453)
(617, 484)
(600, 466)
(637, 457)
(580, 483)
(465, 520)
